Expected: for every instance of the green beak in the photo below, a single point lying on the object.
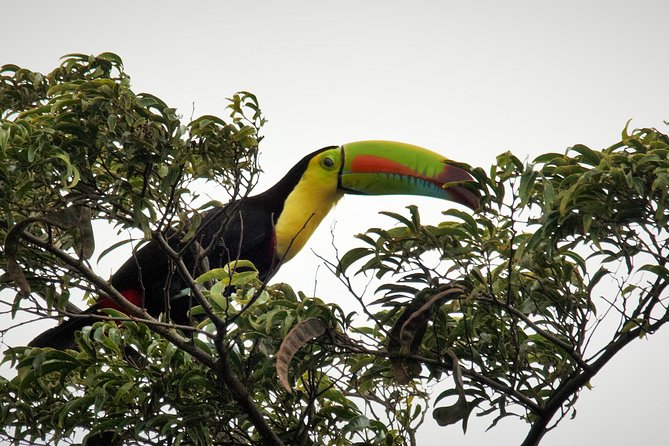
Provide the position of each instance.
(386, 167)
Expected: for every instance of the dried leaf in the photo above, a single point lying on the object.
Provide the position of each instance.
(296, 338)
(461, 409)
(16, 274)
(417, 320)
(11, 250)
(86, 232)
(407, 334)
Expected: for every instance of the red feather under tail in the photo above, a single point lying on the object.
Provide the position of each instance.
(61, 337)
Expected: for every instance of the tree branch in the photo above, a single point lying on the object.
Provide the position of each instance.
(572, 385)
(241, 395)
(134, 312)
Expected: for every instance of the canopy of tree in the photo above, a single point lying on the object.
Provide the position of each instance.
(503, 304)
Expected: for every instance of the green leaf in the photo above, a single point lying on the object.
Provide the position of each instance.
(351, 257)
(226, 273)
(660, 271)
(469, 221)
(547, 158)
(588, 156)
(527, 180)
(114, 246)
(356, 424)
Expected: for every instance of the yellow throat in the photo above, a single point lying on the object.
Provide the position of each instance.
(305, 207)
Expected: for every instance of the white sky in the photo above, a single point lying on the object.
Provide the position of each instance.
(467, 80)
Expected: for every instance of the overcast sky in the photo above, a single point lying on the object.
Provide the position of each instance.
(467, 79)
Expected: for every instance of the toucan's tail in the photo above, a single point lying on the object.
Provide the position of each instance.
(61, 337)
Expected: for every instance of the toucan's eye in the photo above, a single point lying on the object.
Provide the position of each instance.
(328, 162)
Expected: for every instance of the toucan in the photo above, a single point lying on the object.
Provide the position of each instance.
(270, 228)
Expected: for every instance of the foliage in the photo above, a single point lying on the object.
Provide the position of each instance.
(504, 303)
(531, 274)
(81, 138)
(149, 391)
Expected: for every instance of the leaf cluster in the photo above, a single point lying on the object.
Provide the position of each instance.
(517, 288)
(506, 304)
(78, 145)
(128, 383)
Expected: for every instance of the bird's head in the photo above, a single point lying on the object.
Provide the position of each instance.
(311, 188)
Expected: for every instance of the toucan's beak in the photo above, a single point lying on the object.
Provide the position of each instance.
(386, 167)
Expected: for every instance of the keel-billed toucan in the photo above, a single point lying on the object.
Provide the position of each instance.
(270, 228)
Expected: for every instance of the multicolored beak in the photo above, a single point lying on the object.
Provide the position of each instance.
(386, 167)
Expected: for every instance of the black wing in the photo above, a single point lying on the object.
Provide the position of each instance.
(243, 231)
